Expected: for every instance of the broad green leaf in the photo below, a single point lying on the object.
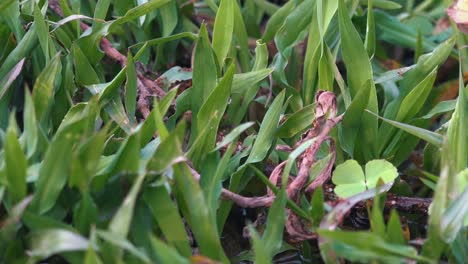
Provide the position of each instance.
(15, 163)
(49, 242)
(350, 179)
(379, 169)
(223, 29)
(168, 219)
(267, 130)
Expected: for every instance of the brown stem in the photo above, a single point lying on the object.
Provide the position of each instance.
(247, 202)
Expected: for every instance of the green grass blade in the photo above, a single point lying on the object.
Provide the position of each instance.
(44, 88)
(210, 116)
(50, 242)
(223, 29)
(131, 88)
(427, 135)
(166, 254)
(141, 10)
(370, 30)
(168, 219)
(204, 71)
(203, 228)
(267, 130)
(15, 163)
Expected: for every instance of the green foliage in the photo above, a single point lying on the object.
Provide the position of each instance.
(122, 121)
(350, 179)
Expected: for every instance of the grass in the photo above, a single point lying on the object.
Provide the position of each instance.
(167, 131)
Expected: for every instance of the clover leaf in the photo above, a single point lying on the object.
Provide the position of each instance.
(350, 179)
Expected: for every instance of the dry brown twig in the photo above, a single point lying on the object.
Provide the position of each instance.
(325, 120)
(147, 88)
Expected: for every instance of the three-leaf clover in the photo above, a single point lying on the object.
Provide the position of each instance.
(350, 179)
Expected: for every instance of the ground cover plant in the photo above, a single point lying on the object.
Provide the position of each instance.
(225, 131)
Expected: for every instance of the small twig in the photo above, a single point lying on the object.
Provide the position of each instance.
(248, 202)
